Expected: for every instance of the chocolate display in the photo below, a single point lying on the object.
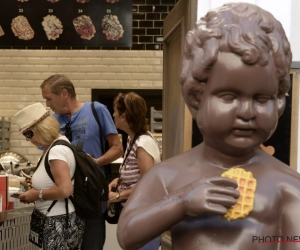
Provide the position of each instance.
(234, 78)
(1, 31)
(84, 27)
(112, 27)
(21, 28)
(77, 23)
(52, 26)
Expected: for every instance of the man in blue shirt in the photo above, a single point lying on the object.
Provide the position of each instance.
(78, 123)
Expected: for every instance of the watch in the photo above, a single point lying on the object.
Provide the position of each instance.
(41, 195)
(118, 196)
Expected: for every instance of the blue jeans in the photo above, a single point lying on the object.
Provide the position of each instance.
(94, 234)
(152, 245)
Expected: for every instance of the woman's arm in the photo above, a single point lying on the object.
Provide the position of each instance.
(63, 187)
(124, 195)
(114, 152)
(144, 160)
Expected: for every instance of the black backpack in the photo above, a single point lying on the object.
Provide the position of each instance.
(90, 185)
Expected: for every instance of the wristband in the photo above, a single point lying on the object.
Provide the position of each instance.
(41, 195)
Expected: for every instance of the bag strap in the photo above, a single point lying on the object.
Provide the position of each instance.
(137, 135)
(47, 167)
(102, 141)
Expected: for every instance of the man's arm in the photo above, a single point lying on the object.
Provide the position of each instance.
(114, 152)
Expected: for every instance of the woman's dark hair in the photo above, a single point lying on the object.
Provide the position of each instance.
(135, 109)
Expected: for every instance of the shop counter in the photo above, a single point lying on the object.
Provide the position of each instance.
(14, 229)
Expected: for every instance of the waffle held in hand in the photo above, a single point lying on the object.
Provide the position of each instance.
(246, 186)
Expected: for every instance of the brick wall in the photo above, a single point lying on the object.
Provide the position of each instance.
(147, 25)
(22, 72)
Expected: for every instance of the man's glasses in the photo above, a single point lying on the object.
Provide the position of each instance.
(68, 131)
(28, 134)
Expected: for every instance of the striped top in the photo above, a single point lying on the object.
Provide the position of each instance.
(129, 170)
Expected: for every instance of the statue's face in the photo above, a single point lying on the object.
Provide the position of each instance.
(239, 106)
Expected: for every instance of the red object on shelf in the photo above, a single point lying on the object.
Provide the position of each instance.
(4, 191)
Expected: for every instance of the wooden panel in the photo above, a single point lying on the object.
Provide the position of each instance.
(177, 122)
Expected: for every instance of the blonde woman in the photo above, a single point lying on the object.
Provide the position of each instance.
(63, 229)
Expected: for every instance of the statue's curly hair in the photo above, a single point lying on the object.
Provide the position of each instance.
(240, 28)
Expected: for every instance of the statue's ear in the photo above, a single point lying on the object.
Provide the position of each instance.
(280, 104)
(192, 97)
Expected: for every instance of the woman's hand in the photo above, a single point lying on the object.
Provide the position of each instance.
(112, 197)
(29, 196)
(112, 184)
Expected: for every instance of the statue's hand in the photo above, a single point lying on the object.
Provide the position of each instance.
(211, 195)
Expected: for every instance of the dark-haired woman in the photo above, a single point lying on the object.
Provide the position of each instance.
(141, 152)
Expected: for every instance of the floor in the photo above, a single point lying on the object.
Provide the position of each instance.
(111, 242)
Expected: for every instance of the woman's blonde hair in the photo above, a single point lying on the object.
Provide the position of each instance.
(46, 131)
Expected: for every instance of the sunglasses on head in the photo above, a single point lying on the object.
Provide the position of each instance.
(29, 134)
(122, 105)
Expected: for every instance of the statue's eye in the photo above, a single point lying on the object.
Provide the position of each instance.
(263, 99)
(228, 97)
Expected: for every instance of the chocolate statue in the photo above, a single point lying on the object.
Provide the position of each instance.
(234, 78)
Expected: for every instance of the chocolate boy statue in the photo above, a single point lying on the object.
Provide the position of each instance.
(234, 78)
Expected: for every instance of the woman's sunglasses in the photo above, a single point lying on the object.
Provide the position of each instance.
(28, 134)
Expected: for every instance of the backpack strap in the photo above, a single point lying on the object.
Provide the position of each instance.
(102, 141)
(104, 168)
(53, 202)
(79, 146)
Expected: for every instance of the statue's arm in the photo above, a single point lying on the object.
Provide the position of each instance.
(290, 212)
(153, 208)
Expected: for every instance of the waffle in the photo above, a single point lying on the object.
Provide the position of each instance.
(246, 186)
